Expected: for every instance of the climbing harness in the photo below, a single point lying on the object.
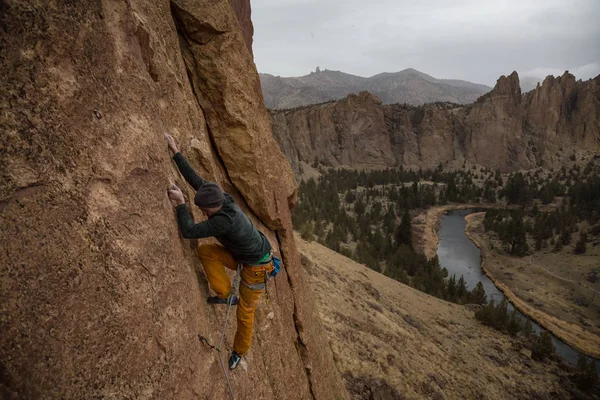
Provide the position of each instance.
(276, 262)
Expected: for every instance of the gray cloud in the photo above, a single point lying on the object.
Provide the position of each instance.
(474, 40)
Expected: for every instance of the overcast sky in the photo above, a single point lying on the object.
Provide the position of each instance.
(474, 40)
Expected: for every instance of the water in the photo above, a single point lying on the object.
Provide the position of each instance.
(459, 255)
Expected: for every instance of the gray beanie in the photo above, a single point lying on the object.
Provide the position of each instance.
(209, 195)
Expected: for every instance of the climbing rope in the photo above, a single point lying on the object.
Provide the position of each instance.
(203, 340)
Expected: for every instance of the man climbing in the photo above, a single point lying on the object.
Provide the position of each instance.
(241, 243)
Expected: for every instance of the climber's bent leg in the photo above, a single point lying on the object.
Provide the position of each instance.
(213, 258)
(248, 301)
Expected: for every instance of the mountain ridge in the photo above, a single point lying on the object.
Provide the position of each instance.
(503, 129)
(407, 86)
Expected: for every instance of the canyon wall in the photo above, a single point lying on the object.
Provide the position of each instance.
(504, 129)
(100, 296)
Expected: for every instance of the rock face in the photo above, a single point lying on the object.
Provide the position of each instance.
(503, 129)
(348, 132)
(100, 297)
(242, 12)
(408, 86)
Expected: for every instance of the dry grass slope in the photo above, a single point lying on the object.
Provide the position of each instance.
(393, 342)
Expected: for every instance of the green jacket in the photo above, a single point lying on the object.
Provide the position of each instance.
(230, 226)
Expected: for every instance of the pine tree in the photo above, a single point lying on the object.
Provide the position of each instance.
(359, 207)
(580, 247)
(557, 245)
(514, 323)
(486, 314)
(543, 347)
(461, 290)
(565, 236)
(500, 316)
(586, 376)
(527, 328)
(403, 233)
(478, 294)
(306, 232)
(451, 289)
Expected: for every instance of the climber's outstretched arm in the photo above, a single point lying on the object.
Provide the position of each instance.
(184, 167)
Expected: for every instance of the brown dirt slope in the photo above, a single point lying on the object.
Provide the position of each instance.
(392, 342)
(100, 297)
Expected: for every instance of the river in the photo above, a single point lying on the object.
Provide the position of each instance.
(459, 255)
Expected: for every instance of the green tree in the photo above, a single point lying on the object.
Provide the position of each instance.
(403, 234)
(306, 232)
(350, 197)
(515, 236)
(527, 328)
(461, 290)
(478, 294)
(514, 323)
(586, 376)
(451, 289)
(580, 246)
(543, 347)
(500, 315)
(359, 206)
(557, 245)
(517, 190)
(486, 314)
(565, 236)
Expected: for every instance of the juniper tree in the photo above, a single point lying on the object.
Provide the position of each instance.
(478, 294)
(543, 347)
(580, 246)
(514, 323)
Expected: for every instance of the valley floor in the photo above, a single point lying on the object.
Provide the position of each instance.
(393, 342)
(549, 287)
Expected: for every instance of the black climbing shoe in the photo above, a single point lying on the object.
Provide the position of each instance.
(221, 300)
(234, 360)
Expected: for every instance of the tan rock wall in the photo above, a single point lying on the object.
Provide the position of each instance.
(347, 132)
(100, 297)
(504, 129)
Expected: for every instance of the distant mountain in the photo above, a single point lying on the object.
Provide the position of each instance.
(504, 129)
(408, 86)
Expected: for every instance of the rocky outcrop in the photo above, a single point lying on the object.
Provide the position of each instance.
(242, 11)
(493, 128)
(503, 129)
(100, 296)
(348, 132)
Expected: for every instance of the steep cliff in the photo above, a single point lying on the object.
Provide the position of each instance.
(348, 132)
(503, 129)
(100, 297)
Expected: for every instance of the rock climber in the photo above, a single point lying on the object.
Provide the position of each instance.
(241, 243)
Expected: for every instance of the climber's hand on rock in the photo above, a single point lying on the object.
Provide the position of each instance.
(171, 142)
(175, 195)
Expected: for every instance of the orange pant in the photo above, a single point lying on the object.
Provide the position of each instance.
(214, 258)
